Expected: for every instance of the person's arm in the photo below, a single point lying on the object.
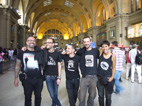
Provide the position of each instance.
(100, 51)
(59, 73)
(17, 70)
(113, 67)
(81, 51)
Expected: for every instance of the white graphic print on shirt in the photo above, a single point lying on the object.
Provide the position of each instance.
(29, 62)
(104, 65)
(89, 60)
(70, 65)
(51, 61)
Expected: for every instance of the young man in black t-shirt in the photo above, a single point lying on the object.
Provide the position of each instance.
(53, 70)
(88, 66)
(72, 74)
(31, 68)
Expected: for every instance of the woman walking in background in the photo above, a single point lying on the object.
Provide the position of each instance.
(1, 59)
(128, 64)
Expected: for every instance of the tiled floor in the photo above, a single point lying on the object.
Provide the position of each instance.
(13, 96)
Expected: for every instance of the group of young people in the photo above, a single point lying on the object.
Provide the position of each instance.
(101, 76)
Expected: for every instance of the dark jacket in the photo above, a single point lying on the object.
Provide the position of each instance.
(39, 56)
(81, 53)
(46, 55)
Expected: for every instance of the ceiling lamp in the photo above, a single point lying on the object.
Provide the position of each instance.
(47, 14)
(47, 2)
(68, 3)
(63, 14)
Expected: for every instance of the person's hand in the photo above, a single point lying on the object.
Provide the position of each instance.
(110, 79)
(42, 47)
(58, 81)
(64, 52)
(24, 48)
(16, 82)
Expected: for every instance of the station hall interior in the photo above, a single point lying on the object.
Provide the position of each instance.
(68, 21)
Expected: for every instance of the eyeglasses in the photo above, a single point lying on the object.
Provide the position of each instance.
(31, 40)
(49, 42)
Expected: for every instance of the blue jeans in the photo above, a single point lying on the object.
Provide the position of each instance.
(52, 87)
(15, 57)
(72, 89)
(118, 87)
(1, 67)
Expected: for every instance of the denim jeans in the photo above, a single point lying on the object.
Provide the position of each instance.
(102, 88)
(15, 58)
(1, 67)
(72, 89)
(118, 87)
(88, 83)
(52, 87)
(31, 85)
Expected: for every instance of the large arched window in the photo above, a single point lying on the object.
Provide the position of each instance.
(54, 34)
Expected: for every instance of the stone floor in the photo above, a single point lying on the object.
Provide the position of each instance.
(13, 96)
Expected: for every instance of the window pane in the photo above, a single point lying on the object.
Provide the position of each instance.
(53, 31)
(57, 32)
(49, 31)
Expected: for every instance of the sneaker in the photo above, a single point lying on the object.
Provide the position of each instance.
(132, 81)
(139, 82)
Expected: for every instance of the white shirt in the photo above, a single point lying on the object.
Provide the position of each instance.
(132, 55)
(10, 52)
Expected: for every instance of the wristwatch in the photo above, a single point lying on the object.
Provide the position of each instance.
(59, 78)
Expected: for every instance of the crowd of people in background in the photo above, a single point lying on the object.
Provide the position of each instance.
(100, 68)
(7, 55)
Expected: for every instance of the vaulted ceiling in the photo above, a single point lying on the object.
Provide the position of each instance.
(70, 17)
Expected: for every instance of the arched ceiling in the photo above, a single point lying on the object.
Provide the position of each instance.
(70, 17)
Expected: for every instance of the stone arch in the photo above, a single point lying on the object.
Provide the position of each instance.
(84, 24)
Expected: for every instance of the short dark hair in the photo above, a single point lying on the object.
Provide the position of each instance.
(115, 43)
(105, 42)
(72, 46)
(53, 40)
(30, 37)
(86, 37)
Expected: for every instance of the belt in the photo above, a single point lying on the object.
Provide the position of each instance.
(51, 75)
(91, 76)
(34, 78)
(73, 79)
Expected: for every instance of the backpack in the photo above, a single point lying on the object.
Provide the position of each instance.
(138, 59)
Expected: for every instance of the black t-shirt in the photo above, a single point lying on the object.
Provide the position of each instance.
(71, 66)
(52, 63)
(105, 66)
(91, 61)
(29, 65)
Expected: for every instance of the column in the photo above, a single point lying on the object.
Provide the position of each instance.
(3, 28)
(8, 30)
(15, 35)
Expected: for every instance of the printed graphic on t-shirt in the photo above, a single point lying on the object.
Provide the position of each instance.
(89, 60)
(29, 62)
(70, 65)
(104, 65)
(51, 61)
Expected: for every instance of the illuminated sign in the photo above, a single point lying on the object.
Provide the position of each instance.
(135, 31)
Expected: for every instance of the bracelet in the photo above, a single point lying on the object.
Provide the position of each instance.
(59, 78)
